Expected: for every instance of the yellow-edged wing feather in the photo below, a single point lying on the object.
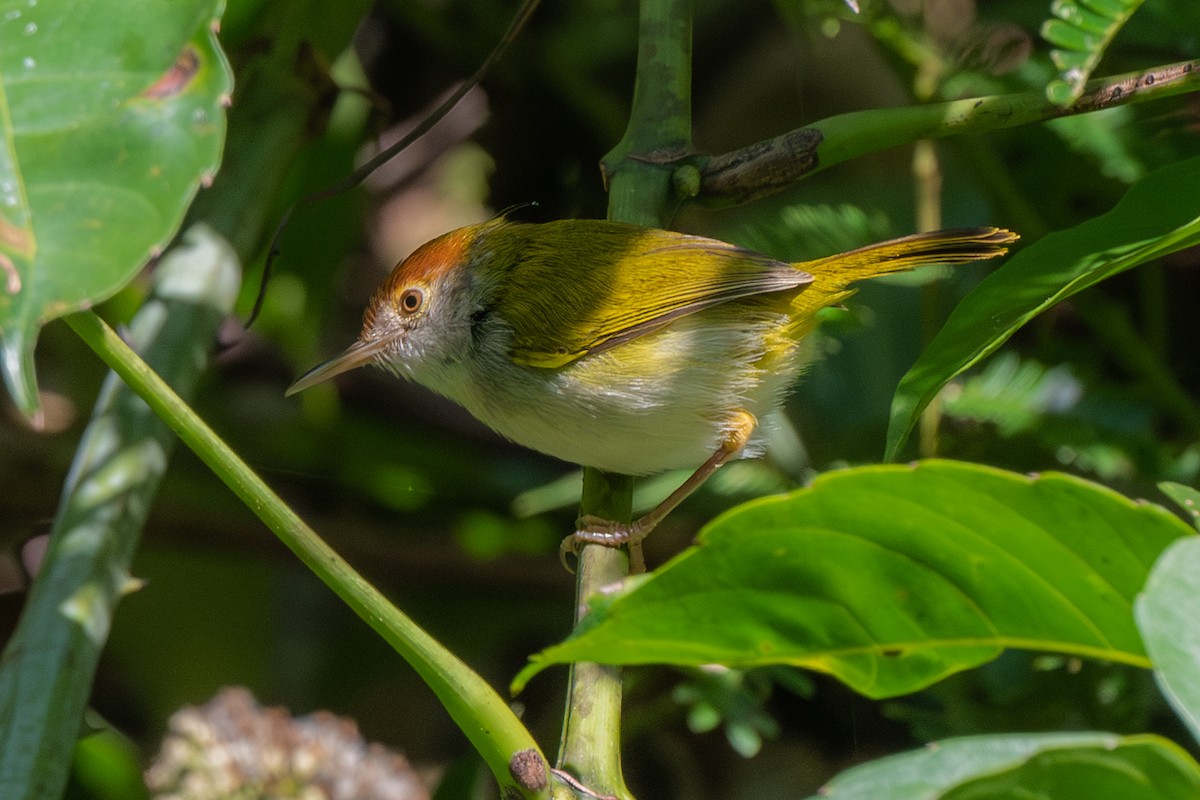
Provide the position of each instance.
(576, 287)
(584, 286)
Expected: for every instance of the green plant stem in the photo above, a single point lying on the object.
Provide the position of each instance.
(642, 174)
(48, 666)
(479, 711)
(640, 170)
(847, 136)
(590, 747)
(927, 179)
(766, 167)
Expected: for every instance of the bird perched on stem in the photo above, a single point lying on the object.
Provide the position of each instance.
(628, 349)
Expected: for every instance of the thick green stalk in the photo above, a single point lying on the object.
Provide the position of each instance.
(642, 173)
(641, 170)
(590, 748)
(485, 718)
(47, 669)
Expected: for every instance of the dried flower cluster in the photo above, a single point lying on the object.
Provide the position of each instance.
(232, 749)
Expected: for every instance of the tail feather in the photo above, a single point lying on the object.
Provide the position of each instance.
(832, 275)
(954, 246)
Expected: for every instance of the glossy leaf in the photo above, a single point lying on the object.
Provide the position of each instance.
(1169, 617)
(1063, 766)
(112, 117)
(892, 577)
(1160, 214)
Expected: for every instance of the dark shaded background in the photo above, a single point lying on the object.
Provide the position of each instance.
(421, 498)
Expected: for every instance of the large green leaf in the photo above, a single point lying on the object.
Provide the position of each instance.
(1169, 617)
(111, 114)
(892, 577)
(1160, 214)
(1065, 766)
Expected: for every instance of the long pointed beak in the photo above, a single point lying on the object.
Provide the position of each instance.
(354, 356)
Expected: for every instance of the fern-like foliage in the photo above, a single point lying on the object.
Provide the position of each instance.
(1080, 31)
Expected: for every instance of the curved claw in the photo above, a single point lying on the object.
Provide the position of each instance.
(568, 547)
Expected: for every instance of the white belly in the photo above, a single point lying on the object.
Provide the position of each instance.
(658, 402)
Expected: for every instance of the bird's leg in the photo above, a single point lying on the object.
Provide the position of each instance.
(593, 530)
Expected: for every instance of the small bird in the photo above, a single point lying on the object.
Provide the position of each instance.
(628, 349)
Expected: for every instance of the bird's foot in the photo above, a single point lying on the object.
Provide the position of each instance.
(605, 532)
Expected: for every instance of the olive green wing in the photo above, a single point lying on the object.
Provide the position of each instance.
(585, 286)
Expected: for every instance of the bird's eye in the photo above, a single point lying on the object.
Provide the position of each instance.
(411, 300)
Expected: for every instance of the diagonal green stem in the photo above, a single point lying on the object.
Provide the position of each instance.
(485, 718)
(47, 670)
(769, 166)
(850, 135)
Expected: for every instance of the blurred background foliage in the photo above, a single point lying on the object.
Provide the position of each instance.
(460, 528)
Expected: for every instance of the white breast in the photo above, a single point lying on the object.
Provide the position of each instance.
(656, 403)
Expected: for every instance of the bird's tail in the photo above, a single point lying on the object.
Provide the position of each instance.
(833, 275)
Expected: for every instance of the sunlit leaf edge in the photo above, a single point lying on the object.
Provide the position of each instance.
(970, 652)
(23, 319)
(1168, 614)
(944, 766)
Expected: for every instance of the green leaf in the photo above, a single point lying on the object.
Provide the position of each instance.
(1169, 617)
(1160, 214)
(1061, 766)
(1082, 31)
(1187, 498)
(112, 118)
(892, 577)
